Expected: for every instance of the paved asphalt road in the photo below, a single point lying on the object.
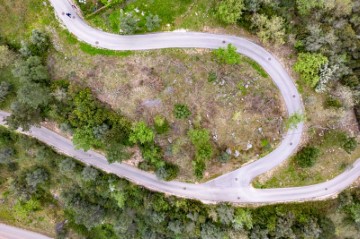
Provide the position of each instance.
(232, 187)
(9, 232)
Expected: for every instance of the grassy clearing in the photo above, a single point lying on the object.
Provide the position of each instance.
(333, 159)
(193, 15)
(149, 83)
(256, 67)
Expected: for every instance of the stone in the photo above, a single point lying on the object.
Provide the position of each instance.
(249, 146)
(228, 151)
(236, 154)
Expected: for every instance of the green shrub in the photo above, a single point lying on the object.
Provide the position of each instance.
(341, 139)
(181, 111)
(200, 138)
(307, 156)
(212, 77)
(308, 66)
(350, 145)
(351, 81)
(161, 124)
(141, 133)
(224, 157)
(294, 120)
(331, 102)
(167, 172)
(199, 168)
(227, 55)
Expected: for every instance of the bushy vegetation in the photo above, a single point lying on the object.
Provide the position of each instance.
(307, 156)
(227, 55)
(308, 65)
(340, 139)
(99, 205)
(200, 138)
(161, 124)
(77, 111)
(181, 111)
(293, 121)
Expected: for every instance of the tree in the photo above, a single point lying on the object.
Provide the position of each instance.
(31, 70)
(269, 29)
(129, 23)
(38, 45)
(242, 219)
(84, 212)
(327, 74)
(86, 111)
(4, 90)
(307, 156)
(308, 65)
(304, 7)
(36, 177)
(6, 56)
(141, 134)
(100, 131)
(176, 227)
(6, 155)
(67, 165)
(152, 22)
(116, 152)
(167, 172)
(89, 174)
(225, 214)
(229, 11)
(338, 7)
(34, 95)
(23, 116)
(210, 231)
(84, 138)
(227, 55)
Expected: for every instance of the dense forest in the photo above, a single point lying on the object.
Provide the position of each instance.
(88, 202)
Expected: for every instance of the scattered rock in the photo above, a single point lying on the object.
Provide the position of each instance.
(249, 146)
(215, 137)
(151, 103)
(236, 154)
(228, 151)
(170, 140)
(169, 90)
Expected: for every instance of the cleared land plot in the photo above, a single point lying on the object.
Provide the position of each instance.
(240, 108)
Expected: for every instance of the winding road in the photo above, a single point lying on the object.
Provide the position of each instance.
(234, 187)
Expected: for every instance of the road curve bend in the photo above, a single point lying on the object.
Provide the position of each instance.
(234, 187)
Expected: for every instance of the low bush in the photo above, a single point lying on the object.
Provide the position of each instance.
(227, 55)
(307, 156)
(161, 124)
(181, 111)
(331, 102)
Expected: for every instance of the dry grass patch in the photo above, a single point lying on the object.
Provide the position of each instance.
(240, 108)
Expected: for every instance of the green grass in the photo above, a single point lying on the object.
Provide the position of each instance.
(256, 67)
(98, 51)
(167, 10)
